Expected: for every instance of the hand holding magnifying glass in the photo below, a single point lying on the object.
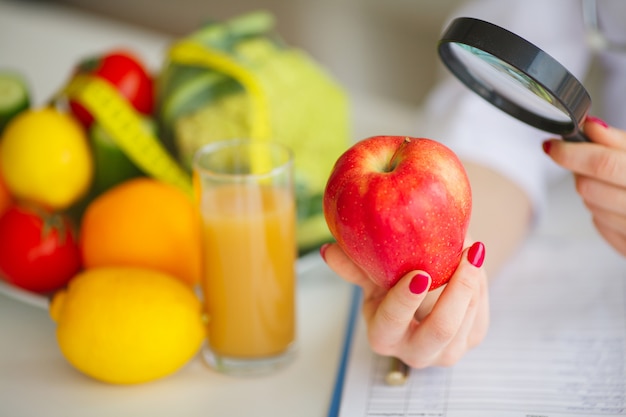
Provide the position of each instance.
(528, 84)
(516, 76)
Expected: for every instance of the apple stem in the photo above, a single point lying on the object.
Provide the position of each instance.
(393, 163)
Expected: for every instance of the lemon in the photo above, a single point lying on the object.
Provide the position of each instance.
(126, 325)
(45, 158)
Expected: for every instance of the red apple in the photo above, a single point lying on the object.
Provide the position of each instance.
(397, 204)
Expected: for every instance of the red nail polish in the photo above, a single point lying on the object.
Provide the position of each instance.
(323, 250)
(419, 283)
(597, 120)
(476, 254)
(546, 146)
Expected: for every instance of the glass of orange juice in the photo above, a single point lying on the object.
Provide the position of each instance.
(246, 198)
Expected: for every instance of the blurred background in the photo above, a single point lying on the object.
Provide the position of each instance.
(382, 48)
(383, 52)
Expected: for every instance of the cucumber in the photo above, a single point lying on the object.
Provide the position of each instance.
(111, 164)
(312, 233)
(14, 96)
(312, 229)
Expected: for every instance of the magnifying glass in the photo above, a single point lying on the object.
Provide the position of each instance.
(515, 76)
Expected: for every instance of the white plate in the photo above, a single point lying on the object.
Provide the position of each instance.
(24, 296)
(305, 263)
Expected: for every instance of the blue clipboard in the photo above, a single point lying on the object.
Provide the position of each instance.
(353, 315)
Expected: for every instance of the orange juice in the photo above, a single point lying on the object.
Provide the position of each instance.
(249, 269)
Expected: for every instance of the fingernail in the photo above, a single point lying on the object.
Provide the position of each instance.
(597, 120)
(546, 146)
(419, 283)
(323, 250)
(476, 254)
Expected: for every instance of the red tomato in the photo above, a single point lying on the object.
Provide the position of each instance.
(127, 74)
(38, 249)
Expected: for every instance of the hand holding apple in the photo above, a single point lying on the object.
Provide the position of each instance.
(397, 204)
(422, 328)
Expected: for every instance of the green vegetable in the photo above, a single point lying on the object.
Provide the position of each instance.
(308, 110)
(14, 96)
(111, 165)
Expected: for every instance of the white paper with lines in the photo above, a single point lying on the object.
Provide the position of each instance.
(556, 346)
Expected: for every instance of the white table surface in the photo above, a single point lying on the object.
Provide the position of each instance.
(35, 379)
(44, 41)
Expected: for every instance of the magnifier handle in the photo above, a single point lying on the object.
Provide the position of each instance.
(576, 136)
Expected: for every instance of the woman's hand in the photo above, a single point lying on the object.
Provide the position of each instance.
(422, 328)
(600, 172)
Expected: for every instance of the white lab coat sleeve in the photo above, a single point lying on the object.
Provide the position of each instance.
(479, 132)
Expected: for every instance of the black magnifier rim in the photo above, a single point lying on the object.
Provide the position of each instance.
(526, 58)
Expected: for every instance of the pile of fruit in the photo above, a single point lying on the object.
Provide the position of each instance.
(96, 209)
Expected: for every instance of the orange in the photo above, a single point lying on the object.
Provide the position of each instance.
(143, 222)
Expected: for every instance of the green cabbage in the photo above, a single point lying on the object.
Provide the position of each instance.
(308, 111)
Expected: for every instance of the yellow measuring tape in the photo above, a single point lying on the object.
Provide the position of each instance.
(118, 118)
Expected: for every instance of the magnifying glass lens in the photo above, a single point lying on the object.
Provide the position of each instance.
(503, 80)
(515, 76)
